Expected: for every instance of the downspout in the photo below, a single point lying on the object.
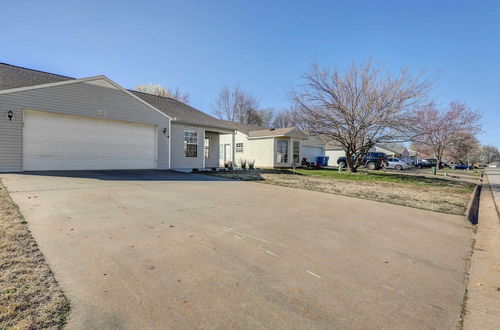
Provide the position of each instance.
(233, 149)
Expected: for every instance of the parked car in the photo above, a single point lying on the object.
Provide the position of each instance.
(397, 164)
(430, 162)
(372, 160)
(462, 166)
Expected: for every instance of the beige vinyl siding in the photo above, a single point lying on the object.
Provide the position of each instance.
(82, 99)
(213, 160)
(262, 151)
(238, 138)
(177, 152)
(259, 150)
(247, 148)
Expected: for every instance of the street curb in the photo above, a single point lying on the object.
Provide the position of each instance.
(482, 297)
(472, 211)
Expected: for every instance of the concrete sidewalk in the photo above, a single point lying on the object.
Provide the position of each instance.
(483, 303)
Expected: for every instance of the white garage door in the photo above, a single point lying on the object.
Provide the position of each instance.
(311, 153)
(334, 156)
(65, 142)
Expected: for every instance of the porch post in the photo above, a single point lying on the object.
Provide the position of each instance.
(233, 149)
(203, 143)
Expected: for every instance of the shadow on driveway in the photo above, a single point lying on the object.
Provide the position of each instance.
(127, 175)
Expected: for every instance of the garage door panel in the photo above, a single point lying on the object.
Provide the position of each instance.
(311, 153)
(64, 142)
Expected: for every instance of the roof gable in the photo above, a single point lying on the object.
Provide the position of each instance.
(181, 112)
(12, 76)
(276, 132)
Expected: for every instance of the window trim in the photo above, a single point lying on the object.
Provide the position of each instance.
(284, 156)
(206, 148)
(296, 143)
(188, 142)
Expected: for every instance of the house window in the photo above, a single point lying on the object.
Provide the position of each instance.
(190, 144)
(239, 147)
(207, 147)
(282, 152)
(296, 152)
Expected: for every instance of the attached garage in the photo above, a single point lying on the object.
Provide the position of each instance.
(311, 153)
(66, 142)
(80, 124)
(333, 156)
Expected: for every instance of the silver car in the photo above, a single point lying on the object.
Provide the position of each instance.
(396, 164)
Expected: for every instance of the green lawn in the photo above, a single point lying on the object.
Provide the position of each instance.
(385, 177)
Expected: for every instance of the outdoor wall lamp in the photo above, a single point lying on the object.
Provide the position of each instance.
(164, 131)
(10, 115)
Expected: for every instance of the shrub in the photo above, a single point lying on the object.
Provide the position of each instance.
(251, 164)
(243, 163)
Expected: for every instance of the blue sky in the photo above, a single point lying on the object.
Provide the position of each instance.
(263, 46)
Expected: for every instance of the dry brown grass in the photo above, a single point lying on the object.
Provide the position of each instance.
(441, 196)
(30, 297)
(440, 199)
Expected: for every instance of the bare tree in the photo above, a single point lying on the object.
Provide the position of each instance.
(462, 148)
(234, 104)
(437, 130)
(358, 108)
(264, 117)
(165, 92)
(283, 119)
(489, 154)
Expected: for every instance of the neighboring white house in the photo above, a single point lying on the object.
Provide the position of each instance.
(268, 147)
(333, 151)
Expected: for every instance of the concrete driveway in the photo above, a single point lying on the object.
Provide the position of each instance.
(159, 249)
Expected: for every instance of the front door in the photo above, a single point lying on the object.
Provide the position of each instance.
(227, 152)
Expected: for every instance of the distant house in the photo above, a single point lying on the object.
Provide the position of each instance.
(333, 151)
(268, 147)
(393, 151)
(414, 157)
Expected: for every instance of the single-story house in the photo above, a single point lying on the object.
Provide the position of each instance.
(270, 147)
(55, 122)
(393, 150)
(334, 151)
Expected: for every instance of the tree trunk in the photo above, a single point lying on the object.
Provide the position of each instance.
(350, 163)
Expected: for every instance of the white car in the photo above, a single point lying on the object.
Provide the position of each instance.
(396, 164)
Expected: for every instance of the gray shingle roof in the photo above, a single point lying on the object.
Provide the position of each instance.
(181, 112)
(12, 76)
(288, 131)
(244, 128)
